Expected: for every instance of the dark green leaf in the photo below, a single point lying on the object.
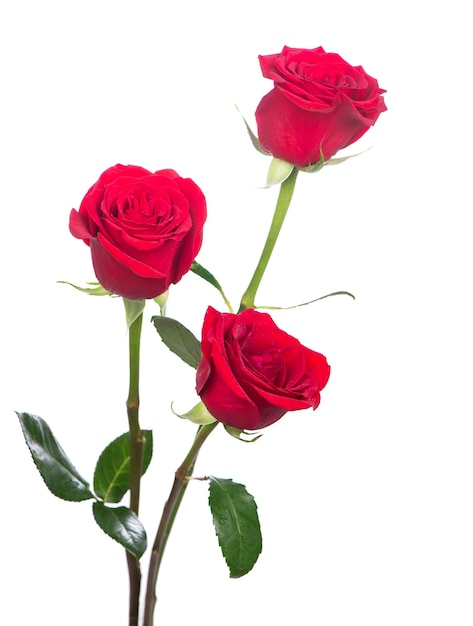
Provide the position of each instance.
(236, 522)
(112, 472)
(122, 525)
(60, 476)
(210, 278)
(178, 339)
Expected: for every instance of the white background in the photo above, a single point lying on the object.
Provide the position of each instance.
(366, 504)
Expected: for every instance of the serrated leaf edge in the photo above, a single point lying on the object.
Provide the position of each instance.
(232, 570)
(75, 473)
(137, 553)
(127, 459)
(178, 325)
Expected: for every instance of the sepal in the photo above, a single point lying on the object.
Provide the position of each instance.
(316, 166)
(278, 172)
(95, 289)
(338, 160)
(295, 306)
(133, 309)
(241, 434)
(333, 161)
(254, 139)
(199, 414)
(161, 301)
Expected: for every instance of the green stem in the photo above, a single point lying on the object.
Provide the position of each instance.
(181, 480)
(136, 459)
(282, 205)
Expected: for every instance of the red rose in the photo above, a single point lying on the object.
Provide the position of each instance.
(319, 103)
(252, 373)
(144, 229)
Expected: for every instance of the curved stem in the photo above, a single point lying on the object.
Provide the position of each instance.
(181, 480)
(282, 205)
(136, 458)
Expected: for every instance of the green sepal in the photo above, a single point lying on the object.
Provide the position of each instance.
(278, 172)
(161, 301)
(112, 472)
(333, 161)
(254, 139)
(338, 160)
(57, 471)
(178, 339)
(123, 525)
(96, 290)
(133, 309)
(295, 306)
(316, 166)
(199, 414)
(210, 278)
(235, 518)
(239, 432)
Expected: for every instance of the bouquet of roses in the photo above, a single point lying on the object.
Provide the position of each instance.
(144, 230)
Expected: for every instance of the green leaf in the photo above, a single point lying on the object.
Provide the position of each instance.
(178, 339)
(112, 472)
(236, 522)
(210, 278)
(96, 290)
(122, 525)
(278, 171)
(60, 476)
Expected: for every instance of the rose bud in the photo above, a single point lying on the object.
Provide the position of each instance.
(252, 373)
(319, 105)
(144, 229)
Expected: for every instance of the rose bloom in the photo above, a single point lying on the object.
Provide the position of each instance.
(320, 103)
(252, 373)
(144, 229)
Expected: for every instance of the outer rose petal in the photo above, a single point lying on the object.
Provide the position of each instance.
(78, 227)
(120, 279)
(198, 212)
(297, 135)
